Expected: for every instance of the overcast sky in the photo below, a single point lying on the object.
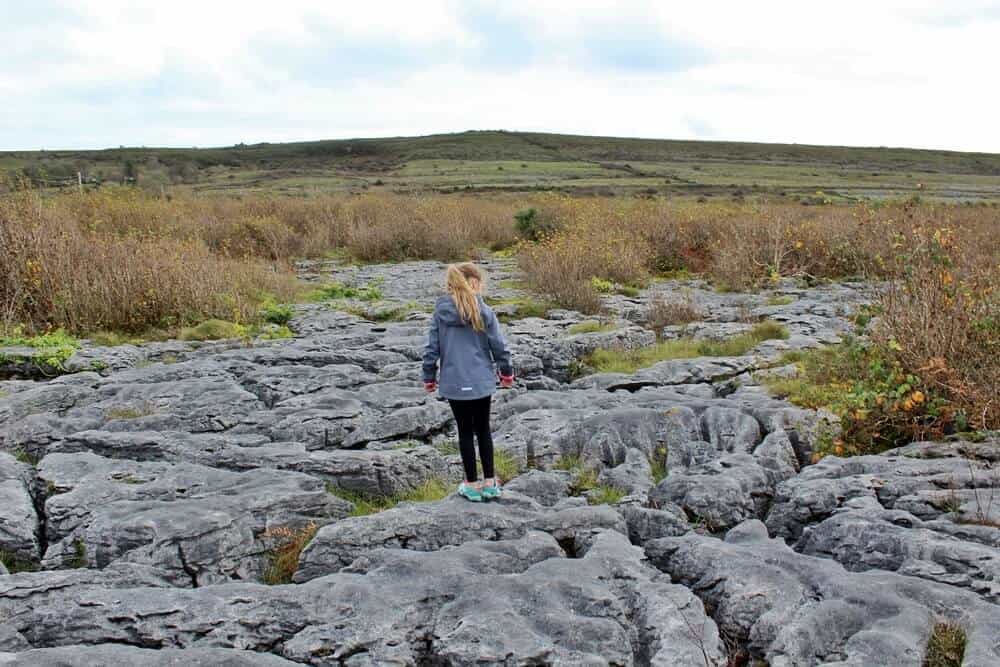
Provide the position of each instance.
(98, 73)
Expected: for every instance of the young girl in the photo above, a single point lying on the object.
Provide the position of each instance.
(465, 337)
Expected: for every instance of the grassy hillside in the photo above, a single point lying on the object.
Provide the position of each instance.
(518, 161)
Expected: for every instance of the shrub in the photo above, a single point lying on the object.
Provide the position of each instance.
(663, 313)
(532, 225)
(276, 313)
(878, 405)
(63, 272)
(940, 322)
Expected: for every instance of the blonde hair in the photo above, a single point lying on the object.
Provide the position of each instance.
(464, 282)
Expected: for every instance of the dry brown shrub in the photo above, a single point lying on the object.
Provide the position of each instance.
(941, 319)
(61, 274)
(664, 313)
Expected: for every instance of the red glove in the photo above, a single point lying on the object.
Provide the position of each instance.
(506, 381)
(430, 387)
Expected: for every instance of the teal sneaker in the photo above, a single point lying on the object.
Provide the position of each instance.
(492, 492)
(470, 493)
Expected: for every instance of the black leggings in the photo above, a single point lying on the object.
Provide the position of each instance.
(473, 419)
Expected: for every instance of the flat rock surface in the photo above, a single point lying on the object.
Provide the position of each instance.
(149, 491)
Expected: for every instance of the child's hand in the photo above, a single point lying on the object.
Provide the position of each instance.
(506, 381)
(430, 387)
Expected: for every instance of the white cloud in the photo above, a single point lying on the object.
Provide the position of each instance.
(110, 72)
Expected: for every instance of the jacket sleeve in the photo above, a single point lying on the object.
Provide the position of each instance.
(432, 351)
(498, 346)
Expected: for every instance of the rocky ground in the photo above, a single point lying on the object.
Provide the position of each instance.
(141, 494)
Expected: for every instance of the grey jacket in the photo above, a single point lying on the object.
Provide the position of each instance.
(468, 358)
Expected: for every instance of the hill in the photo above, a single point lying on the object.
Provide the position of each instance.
(524, 161)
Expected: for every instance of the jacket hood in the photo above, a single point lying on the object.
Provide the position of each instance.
(448, 311)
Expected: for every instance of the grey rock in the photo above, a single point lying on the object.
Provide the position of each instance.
(131, 656)
(634, 476)
(792, 609)
(200, 525)
(19, 526)
(453, 521)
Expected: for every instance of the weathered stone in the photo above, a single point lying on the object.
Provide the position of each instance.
(791, 609)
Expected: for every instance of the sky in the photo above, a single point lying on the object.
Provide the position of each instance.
(104, 73)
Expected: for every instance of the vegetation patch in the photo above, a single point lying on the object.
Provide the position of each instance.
(664, 313)
(658, 464)
(630, 360)
(15, 564)
(335, 290)
(52, 348)
(945, 646)
(520, 307)
(130, 411)
(364, 504)
(584, 477)
(286, 544)
(78, 560)
(277, 313)
(591, 326)
(214, 330)
(603, 494)
(780, 300)
(879, 405)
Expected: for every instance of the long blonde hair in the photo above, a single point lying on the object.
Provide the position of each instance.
(464, 281)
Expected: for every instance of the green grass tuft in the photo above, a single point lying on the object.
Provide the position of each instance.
(364, 504)
(602, 494)
(590, 326)
(780, 300)
(79, 559)
(945, 646)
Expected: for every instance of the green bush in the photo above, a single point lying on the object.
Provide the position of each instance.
(532, 225)
(277, 313)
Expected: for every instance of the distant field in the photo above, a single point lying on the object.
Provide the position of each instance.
(519, 162)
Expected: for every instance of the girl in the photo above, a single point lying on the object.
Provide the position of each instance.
(465, 337)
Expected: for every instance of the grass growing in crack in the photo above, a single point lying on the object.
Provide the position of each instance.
(945, 646)
(629, 361)
(591, 326)
(780, 300)
(287, 544)
(365, 504)
(603, 494)
(15, 564)
(25, 457)
(584, 477)
(505, 465)
(658, 464)
(78, 560)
